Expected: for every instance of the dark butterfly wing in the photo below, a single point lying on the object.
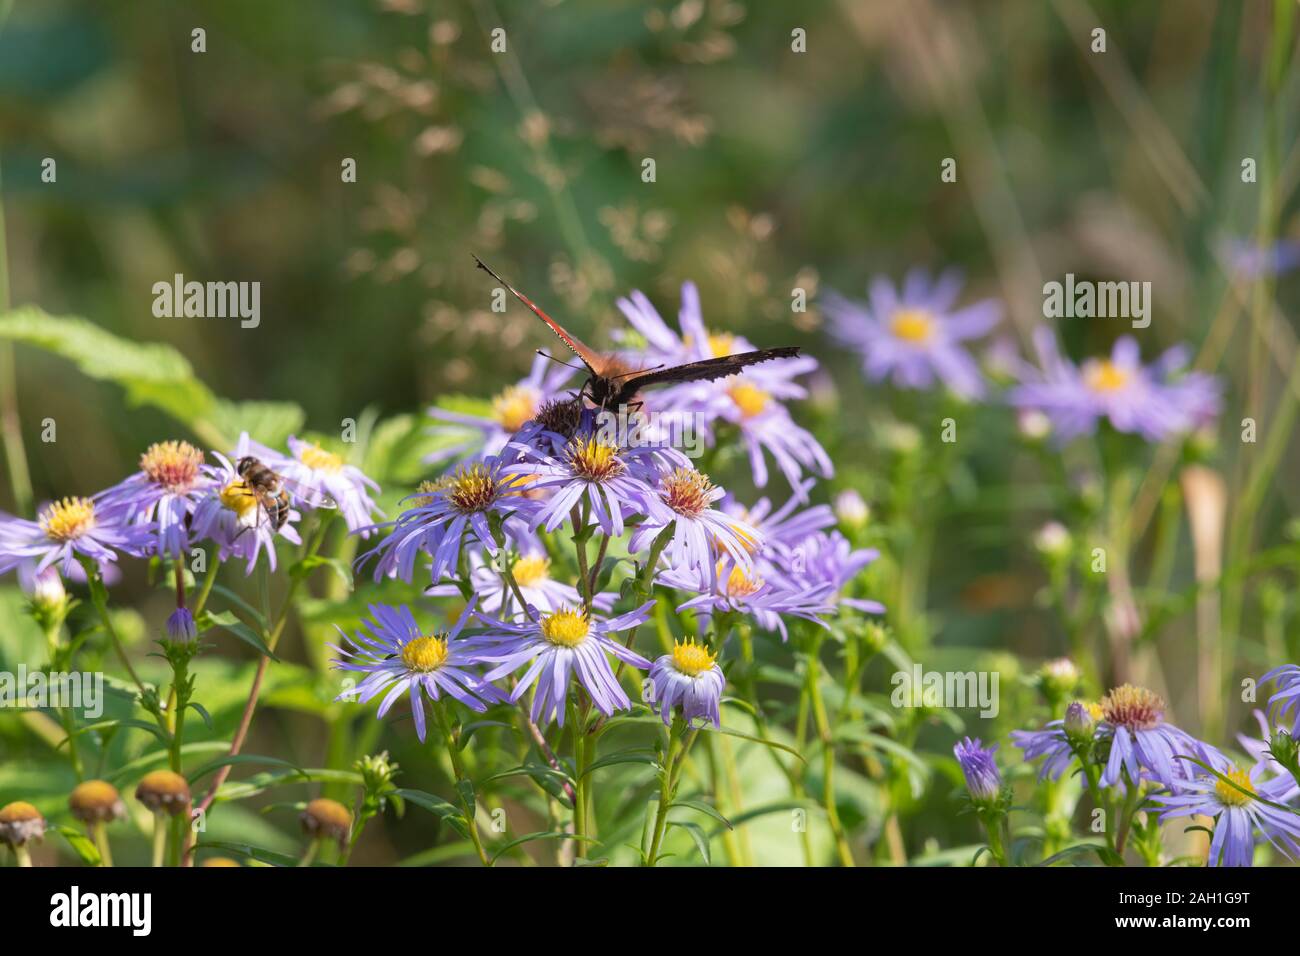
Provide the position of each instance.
(589, 356)
(703, 371)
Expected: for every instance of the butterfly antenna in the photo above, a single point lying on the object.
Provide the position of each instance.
(513, 291)
(576, 368)
(654, 368)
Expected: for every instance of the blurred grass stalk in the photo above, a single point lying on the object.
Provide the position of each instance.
(1249, 498)
(10, 424)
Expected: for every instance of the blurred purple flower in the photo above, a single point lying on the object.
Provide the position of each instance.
(913, 336)
(321, 479)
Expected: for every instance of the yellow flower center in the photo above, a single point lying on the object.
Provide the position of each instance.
(239, 498)
(424, 654)
(594, 460)
(531, 570)
(472, 489)
(1230, 795)
(515, 407)
(740, 584)
(1133, 707)
(750, 400)
(692, 659)
(721, 343)
(1105, 376)
(686, 491)
(314, 456)
(912, 325)
(68, 519)
(173, 464)
(567, 627)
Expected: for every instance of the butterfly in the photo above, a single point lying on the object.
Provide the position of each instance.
(611, 383)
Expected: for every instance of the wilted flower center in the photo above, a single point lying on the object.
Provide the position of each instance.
(912, 325)
(515, 406)
(750, 400)
(1105, 376)
(425, 654)
(472, 489)
(686, 491)
(68, 519)
(691, 659)
(1231, 795)
(594, 460)
(1133, 707)
(740, 584)
(172, 464)
(314, 456)
(531, 570)
(566, 627)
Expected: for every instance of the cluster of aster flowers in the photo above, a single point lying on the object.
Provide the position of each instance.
(916, 338)
(544, 467)
(179, 500)
(1123, 742)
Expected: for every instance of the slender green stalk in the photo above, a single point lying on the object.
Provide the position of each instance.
(160, 825)
(458, 768)
(842, 848)
(99, 832)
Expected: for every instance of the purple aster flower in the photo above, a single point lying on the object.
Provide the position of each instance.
(1260, 750)
(440, 515)
(1237, 814)
(660, 345)
(768, 603)
(516, 406)
(560, 645)
(1152, 401)
(532, 572)
(913, 336)
(766, 427)
(829, 558)
(983, 781)
(321, 479)
(783, 529)
(1249, 261)
(233, 517)
(591, 469)
(398, 656)
(1133, 719)
(1287, 696)
(701, 533)
(162, 494)
(690, 680)
(1056, 740)
(67, 529)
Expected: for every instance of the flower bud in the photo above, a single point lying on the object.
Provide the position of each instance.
(327, 819)
(1053, 540)
(1079, 722)
(20, 824)
(983, 781)
(851, 510)
(1057, 679)
(219, 861)
(181, 628)
(96, 801)
(1033, 425)
(1285, 749)
(163, 791)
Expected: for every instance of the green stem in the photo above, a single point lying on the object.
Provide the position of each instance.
(209, 579)
(667, 782)
(458, 768)
(99, 831)
(828, 754)
(160, 823)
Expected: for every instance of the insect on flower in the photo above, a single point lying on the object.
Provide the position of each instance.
(611, 384)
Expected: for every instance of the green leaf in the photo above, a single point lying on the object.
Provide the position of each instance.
(648, 757)
(249, 852)
(270, 423)
(468, 730)
(227, 621)
(466, 790)
(307, 565)
(697, 834)
(81, 844)
(124, 722)
(151, 374)
(540, 835)
(759, 740)
(203, 712)
(761, 811)
(443, 809)
(701, 807)
(270, 779)
(231, 760)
